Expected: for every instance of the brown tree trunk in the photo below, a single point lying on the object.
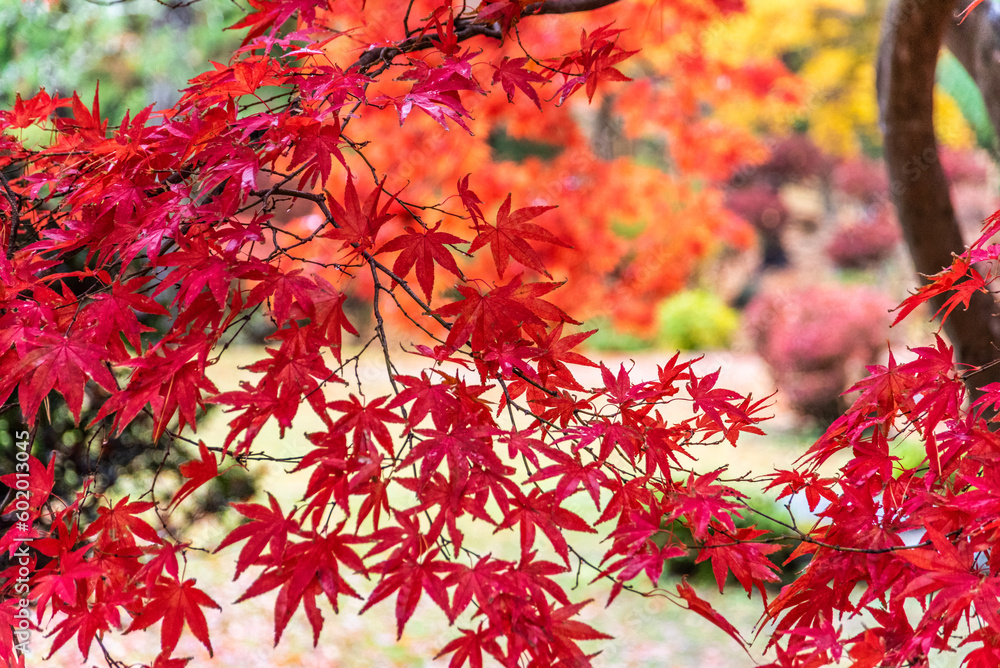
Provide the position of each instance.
(912, 33)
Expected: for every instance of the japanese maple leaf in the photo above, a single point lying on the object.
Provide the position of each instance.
(198, 267)
(367, 421)
(328, 314)
(87, 621)
(555, 352)
(64, 363)
(177, 604)
(428, 397)
(716, 403)
(566, 631)
(41, 478)
(470, 201)
(505, 12)
(511, 73)
(315, 144)
(423, 249)
(543, 510)
(120, 524)
(484, 318)
(597, 57)
(115, 311)
(410, 579)
(477, 583)
(436, 90)
(267, 528)
(736, 552)
(697, 604)
(507, 238)
(469, 647)
(700, 500)
(358, 224)
(947, 280)
(271, 14)
(198, 472)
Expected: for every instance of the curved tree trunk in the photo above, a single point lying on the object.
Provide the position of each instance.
(912, 34)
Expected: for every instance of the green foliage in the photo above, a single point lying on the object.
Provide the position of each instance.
(695, 320)
(955, 81)
(613, 339)
(139, 50)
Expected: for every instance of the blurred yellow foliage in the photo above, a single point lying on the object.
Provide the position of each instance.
(831, 45)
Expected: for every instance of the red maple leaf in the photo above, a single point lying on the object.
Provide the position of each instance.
(410, 578)
(267, 528)
(423, 249)
(469, 647)
(198, 472)
(177, 604)
(436, 90)
(357, 225)
(367, 421)
(118, 525)
(64, 363)
(511, 73)
(696, 604)
(507, 238)
(736, 552)
(489, 317)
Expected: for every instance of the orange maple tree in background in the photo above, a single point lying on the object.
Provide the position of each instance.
(178, 218)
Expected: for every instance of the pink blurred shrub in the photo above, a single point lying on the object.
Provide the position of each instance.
(795, 158)
(759, 205)
(864, 180)
(964, 167)
(817, 340)
(866, 242)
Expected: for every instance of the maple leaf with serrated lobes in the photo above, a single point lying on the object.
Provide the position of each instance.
(267, 527)
(120, 524)
(176, 603)
(357, 225)
(511, 74)
(427, 397)
(716, 403)
(41, 478)
(736, 552)
(484, 318)
(115, 312)
(410, 578)
(947, 280)
(315, 144)
(698, 605)
(470, 201)
(87, 621)
(273, 13)
(597, 57)
(469, 647)
(423, 249)
(367, 421)
(543, 510)
(700, 500)
(198, 472)
(63, 363)
(436, 90)
(507, 238)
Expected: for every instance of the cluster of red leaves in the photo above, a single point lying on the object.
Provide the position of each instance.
(171, 216)
(171, 213)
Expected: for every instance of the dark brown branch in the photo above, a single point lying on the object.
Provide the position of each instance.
(566, 6)
(466, 29)
(912, 33)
